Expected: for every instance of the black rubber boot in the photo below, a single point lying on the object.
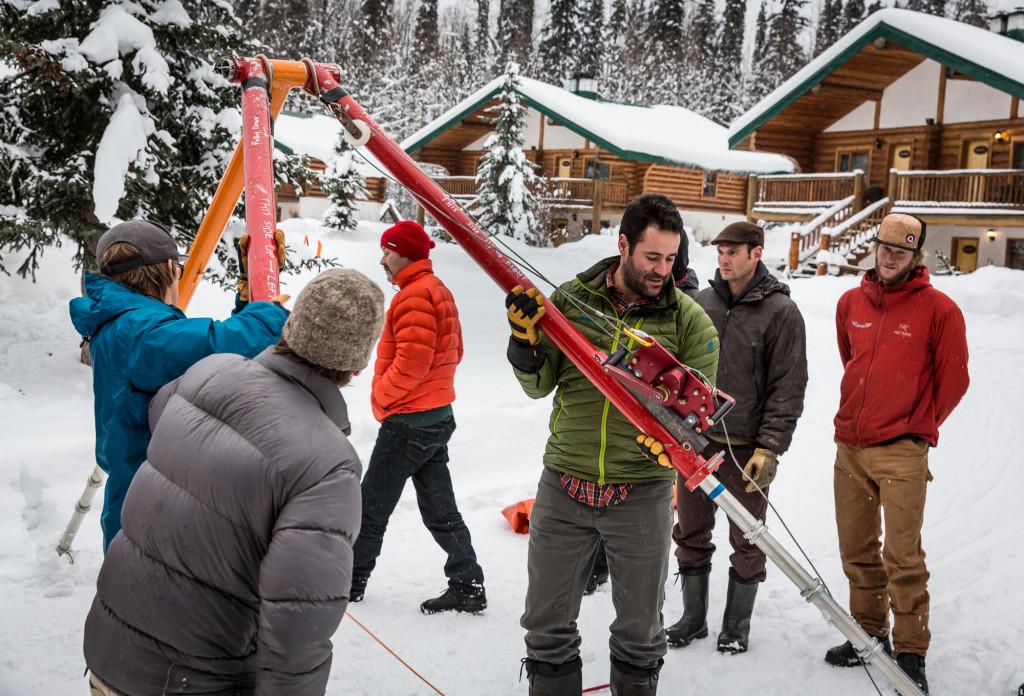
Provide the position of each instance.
(845, 655)
(472, 601)
(694, 623)
(547, 679)
(630, 680)
(739, 605)
(913, 665)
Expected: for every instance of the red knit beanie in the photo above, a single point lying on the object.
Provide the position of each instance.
(408, 239)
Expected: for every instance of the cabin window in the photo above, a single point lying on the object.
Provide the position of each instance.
(710, 185)
(849, 161)
(1017, 154)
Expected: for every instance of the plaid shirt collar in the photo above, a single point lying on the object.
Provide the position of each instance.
(621, 305)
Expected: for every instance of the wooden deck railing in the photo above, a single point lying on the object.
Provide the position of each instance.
(561, 191)
(1003, 188)
(807, 188)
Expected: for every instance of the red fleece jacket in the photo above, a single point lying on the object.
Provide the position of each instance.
(904, 351)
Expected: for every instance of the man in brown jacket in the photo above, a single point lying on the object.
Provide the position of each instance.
(763, 365)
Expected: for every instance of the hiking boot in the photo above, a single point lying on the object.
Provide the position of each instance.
(356, 594)
(472, 602)
(739, 607)
(845, 655)
(694, 623)
(913, 665)
(547, 679)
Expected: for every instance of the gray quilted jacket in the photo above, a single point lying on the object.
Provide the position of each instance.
(233, 566)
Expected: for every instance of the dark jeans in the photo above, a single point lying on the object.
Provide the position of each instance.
(420, 453)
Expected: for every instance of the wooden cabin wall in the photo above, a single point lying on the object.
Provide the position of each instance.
(684, 187)
(923, 140)
(955, 134)
(798, 146)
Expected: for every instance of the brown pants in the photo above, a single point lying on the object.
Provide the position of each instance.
(892, 477)
(98, 688)
(695, 518)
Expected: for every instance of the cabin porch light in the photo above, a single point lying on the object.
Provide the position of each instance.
(991, 234)
(999, 136)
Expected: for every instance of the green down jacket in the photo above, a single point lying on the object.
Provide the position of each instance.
(590, 439)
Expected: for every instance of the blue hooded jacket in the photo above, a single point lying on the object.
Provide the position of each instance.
(137, 345)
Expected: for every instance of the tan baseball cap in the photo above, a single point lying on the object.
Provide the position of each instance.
(902, 231)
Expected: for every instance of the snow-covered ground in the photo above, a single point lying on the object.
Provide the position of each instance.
(972, 531)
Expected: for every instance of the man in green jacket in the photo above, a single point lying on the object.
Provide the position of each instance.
(596, 484)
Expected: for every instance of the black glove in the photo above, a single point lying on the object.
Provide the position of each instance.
(524, 311)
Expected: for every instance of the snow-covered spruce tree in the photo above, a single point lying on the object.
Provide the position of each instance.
(505, 177)
(114, 112)
(970, 12)
(853, 13)
(560, 45)
(342, 183)
(515, 31)
(829, 25)
(727, 92)
(591, 31)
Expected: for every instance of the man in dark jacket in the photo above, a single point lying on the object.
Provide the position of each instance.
(139, 341)
(763, 365)
(596, 484)
(233, 567)
(904, 350)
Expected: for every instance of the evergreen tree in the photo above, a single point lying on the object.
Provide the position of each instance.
(829, 25)
(375, 29)
(702, 28)
(874, 7)
(974, 12)
(783, 55)
(515, 31)
(102, 129)
(761, 33)
(505, 177)
(727, 90)
(560, 45)
(591, 32)
(667, 25)
(342, 183)
(426, 30)
(932, 7)
(483, 28)
(853, 13)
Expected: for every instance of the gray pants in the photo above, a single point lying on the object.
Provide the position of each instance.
(563, 539)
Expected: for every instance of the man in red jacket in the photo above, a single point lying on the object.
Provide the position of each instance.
(904, 353)
(413, 389)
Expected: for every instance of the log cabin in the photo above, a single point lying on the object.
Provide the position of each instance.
(906, 113)
(598, 155)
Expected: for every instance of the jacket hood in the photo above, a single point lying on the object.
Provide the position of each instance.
(760, 286)
(105, 300)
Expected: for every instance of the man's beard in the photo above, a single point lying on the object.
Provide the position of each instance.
(634, 279)
(899, 279)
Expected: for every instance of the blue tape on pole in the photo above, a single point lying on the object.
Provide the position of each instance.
(714, 494)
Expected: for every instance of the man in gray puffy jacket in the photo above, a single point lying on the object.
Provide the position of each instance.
(233, 568)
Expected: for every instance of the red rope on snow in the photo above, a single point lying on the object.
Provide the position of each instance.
(393, 653)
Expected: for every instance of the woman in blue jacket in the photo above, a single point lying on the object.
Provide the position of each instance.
(139, 341)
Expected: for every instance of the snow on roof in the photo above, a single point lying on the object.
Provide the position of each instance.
(979, 53)
(315, 135)
(665, 134)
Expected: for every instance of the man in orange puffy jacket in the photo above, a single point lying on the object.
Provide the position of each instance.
(904, 350)
(413, 390)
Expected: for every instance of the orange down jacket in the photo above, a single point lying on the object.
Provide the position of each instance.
(420, 347)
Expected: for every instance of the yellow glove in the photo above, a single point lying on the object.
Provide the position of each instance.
(524, 311)
(653, 450)
(242, 246)
(760, 469)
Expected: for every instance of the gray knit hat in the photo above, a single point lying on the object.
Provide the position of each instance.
(337, 318)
